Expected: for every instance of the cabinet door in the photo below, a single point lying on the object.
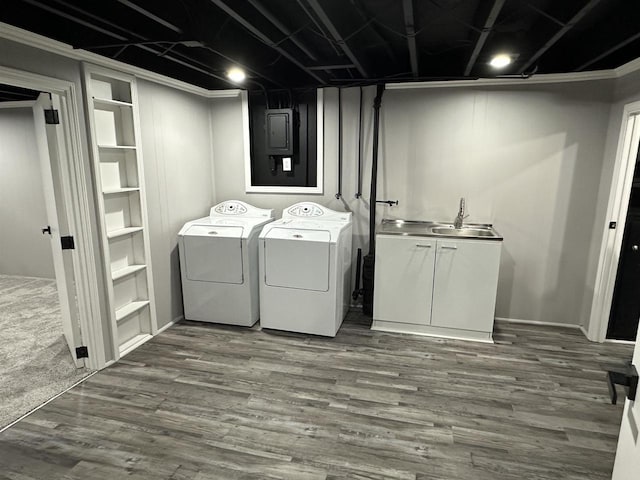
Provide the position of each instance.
(465, 282)
(403, 279)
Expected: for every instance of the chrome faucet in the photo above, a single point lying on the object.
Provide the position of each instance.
(457, 223)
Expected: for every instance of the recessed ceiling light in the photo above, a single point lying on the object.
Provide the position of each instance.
(500, 61)
(236, 74)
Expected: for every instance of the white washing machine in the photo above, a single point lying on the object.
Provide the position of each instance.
(305, 265)
(219, 264)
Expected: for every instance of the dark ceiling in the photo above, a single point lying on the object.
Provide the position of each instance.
(302, 43)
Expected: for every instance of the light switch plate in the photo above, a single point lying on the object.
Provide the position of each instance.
(286, 164)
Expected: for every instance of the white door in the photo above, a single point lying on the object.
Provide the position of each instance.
(464, 285)
(627, 463)
(51, 147)
(403, 279)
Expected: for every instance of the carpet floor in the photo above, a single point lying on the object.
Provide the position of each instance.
(35, 363)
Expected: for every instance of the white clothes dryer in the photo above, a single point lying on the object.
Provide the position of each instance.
(305, 265)
(219, 264)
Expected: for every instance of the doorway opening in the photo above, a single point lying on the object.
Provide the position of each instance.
(38, 310)
(625, 304)
(615, 308)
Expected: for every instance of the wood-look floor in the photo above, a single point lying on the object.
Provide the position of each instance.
(202, 401)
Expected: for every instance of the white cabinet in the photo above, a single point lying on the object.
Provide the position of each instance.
(404, 272)
(464, 290)
(436, 286)
(113, 119)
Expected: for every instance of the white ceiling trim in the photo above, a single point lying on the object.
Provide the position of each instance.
(627, 68)
(512, 81)
(19, 35)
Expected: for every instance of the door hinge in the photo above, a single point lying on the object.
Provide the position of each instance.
(51, 117)
(68, 243)
(82, 352)
(613, 225)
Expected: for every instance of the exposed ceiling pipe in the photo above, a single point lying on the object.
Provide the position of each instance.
(305, 9)
(77, 20)
(263, 38)
(615, 48)
(332, 67)
(280, 26)
(373, 28)
(559, 34)
(409, 24)
(486, 30)
(150, 15)
(120, 37)
(319, 11)
(143, 40)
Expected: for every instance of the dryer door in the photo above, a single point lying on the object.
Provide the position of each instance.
(213, 253)
(297, 258)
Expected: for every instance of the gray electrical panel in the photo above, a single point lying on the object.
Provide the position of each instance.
(279, 131)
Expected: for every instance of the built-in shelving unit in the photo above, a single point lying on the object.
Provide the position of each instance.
(113, 118)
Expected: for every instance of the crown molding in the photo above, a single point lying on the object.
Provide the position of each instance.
(19, 35)
(24, 37)
(534, 80)
(627, 68)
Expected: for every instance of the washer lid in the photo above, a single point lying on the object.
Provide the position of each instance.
(213, 253)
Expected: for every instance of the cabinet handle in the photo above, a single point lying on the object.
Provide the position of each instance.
(449, 247)
(422, 246)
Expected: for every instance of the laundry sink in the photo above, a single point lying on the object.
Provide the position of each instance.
(464, 232)
(437, 229)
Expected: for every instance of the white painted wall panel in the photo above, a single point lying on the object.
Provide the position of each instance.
(178, 177)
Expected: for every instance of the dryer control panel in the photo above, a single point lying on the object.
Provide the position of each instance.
(313, 210)
(230, 208)
(305, 210)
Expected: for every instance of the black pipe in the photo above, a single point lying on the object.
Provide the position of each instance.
(339, 194)
(368, 264)
(359, 187)
(356, 293)
(377, 102)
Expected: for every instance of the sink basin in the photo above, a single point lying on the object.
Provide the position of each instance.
(463, 232)
(421, 228)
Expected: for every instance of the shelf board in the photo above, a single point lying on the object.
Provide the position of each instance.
(113, 191)
(125, 272)
(109, 103)
(117, 147)
(130, 309)
(123, 231)
(133, 343)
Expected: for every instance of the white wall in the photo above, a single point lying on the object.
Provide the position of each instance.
(24, 250)
(527, 159)
(177, 164)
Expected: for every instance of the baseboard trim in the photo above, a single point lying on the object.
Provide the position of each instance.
(170, 324)
(537, 322)
(619, 342)
(48, 401)
(584, 332)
